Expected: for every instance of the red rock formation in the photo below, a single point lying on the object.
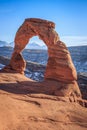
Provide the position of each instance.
(59, 67)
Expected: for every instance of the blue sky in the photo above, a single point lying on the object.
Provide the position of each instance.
(70, 17)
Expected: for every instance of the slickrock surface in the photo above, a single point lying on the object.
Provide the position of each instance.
(26, 105)
(59, 67)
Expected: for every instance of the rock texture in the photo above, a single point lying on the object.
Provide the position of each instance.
(59, 67)
(27, 105)
(52, 104)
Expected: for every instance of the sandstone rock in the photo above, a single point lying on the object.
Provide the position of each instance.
(17, 64)
(59, 67)
(28, 105)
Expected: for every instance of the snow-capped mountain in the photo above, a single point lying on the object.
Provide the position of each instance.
(1, 66)
(11, 44)
(32, 45)
(35, 45)
(3, 43)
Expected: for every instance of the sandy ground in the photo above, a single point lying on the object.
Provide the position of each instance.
(26, 105)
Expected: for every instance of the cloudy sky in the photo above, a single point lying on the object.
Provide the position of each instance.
(70, 17)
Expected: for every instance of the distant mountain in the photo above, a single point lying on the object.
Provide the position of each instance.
(35, 45)
(11, 44)
(3, 43)
(36, 54)
(32, 45)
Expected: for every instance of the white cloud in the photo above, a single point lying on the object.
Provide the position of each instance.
(68, 40)
(74, 40)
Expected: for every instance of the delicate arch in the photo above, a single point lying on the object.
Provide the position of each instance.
(59, 66)
(35, 27)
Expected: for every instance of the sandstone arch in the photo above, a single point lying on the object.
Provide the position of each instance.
(59, 67)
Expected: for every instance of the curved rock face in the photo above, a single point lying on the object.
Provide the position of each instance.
(60, 66)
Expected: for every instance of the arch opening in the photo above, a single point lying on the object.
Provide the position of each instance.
(36, 56)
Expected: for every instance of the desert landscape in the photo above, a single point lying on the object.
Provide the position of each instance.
(53, 101)
(43, 65)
